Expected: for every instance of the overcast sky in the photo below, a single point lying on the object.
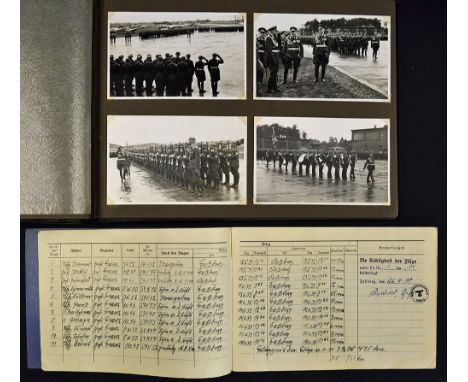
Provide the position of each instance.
(323, 128)
(285, 21)
(145, 17)
(172, 129)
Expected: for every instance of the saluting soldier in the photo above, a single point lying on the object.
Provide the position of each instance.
(272, 52)
(215, 74)
(293, 52)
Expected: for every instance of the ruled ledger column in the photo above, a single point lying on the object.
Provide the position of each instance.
(77, 301)
(53, 302)
(107, 302)
(131, 338)
(148, 304)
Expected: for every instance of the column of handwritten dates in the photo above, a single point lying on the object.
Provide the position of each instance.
(291, 299)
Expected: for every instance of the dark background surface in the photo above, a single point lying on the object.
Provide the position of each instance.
(422, 153)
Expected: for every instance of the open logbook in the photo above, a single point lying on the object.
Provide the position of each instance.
(200, 303)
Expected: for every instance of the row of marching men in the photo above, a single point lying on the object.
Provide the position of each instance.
(339, 165)
(192, 167)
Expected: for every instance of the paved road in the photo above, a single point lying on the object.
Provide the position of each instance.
(274, 186)
(145, 187)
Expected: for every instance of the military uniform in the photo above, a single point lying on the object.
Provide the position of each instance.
(148, 70)
(160, 76)
(375, 45)
(321, 52)
(213, 180)
(344, 166)
(352, 163)
(293, 52)
(234, 167)
(139, 75)
(260, 44)
(215, 74)
(272, 58)
(370, 165)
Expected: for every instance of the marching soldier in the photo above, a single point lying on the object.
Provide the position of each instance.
(375, 45)
(370, 165)
(293, 52)
(321, 53)
(272, 58)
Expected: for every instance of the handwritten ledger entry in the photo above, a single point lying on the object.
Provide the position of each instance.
(199, 303)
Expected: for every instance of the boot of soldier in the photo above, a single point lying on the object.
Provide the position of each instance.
(285, 77)
(295, 76)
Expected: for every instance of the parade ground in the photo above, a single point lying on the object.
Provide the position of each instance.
(145, 187)
(347, 77)
(280, 187)
(229, 45)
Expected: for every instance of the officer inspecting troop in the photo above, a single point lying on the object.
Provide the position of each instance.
(274, 47)
(196, 168)
(330, 165)
(170, 76)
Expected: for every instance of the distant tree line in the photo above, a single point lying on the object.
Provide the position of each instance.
(342, 23)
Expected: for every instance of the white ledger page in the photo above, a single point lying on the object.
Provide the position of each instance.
(154, 302)
(334, 298)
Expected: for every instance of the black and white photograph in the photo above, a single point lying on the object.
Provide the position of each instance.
(323, 161)
(174, 54)
(322, 57)
(176, 160)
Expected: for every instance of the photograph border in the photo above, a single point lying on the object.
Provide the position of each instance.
(155, 98)
(388, 203)
(242, 201)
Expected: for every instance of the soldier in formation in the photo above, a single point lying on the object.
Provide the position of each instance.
(274, 48)
(338, 165)
(192, 167)
(170, 75)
